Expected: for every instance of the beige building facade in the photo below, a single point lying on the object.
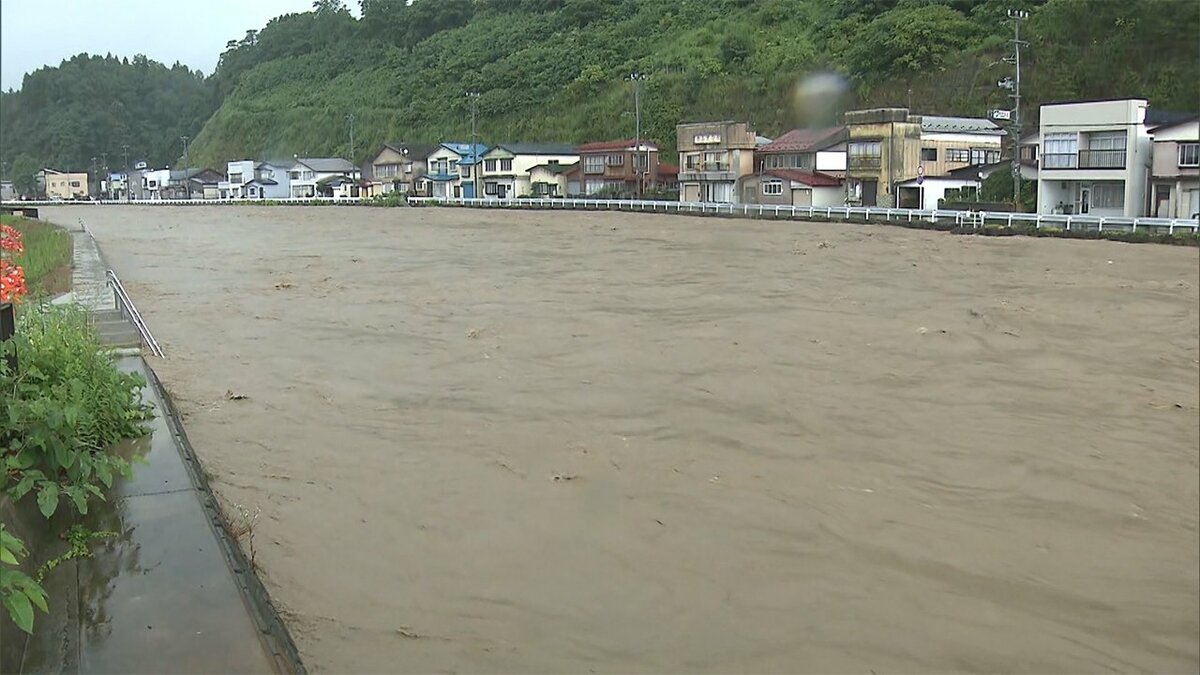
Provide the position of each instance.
(713, 157)
(64, 184)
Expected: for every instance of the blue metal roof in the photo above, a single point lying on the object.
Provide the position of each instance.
(464, 150)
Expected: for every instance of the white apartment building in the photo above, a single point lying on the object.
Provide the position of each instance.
(506, 168)
(1095, 158)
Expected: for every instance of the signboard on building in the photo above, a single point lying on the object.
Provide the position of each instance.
(1000, 114)
(706, 139)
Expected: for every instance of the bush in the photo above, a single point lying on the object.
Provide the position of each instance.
(65, 405)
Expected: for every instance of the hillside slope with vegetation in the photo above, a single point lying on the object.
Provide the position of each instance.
(554, 70)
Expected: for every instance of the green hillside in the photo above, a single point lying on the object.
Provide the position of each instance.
(554, 70)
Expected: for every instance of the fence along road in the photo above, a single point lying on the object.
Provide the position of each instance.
(849, 214)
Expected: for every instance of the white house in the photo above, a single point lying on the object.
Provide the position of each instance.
(322, 176)
(247, 179)
(155, 183)
(1095, 158)
(1176, 170)
(550, 179)
(505, 170)
(450, 170)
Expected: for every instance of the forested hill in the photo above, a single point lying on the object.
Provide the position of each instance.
(553, 70)
(92, 105)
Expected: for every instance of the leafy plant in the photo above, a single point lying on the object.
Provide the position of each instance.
(19, 593)
(64, 407)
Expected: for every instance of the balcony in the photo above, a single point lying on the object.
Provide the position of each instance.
(708, 171)
(1084, 159)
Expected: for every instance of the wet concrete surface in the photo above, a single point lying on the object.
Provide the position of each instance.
(158, 596)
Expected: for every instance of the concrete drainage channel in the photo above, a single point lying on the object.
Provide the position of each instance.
(172, 590)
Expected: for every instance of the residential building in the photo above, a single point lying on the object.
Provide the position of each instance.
(505, 168)
(64, 184)
(624, 168)
(1095, 158)
(888, 146)
(155, 183)
(1175, 170)
(793, 187)
(247, 179)
(396, 166)
(822, 150)
(713, 156)
(191, 183)
(1030, 149)
(7, 191)
(956, 185)
(550, 179)
(322, 177)
(450, 170)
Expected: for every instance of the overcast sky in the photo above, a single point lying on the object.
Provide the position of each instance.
(36, 33)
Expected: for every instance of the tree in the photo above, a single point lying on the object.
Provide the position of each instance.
(910, 41)
(24, 175)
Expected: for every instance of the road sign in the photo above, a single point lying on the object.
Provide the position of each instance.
(1001, 114)
(920, 175)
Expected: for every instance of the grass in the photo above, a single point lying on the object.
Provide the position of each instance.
(47, 257)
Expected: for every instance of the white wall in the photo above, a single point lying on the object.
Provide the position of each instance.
(828, 160)
(1127, 115)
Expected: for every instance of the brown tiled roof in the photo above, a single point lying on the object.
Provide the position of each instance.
(600, 146)
(806, 140)
(669, 169)
(810, 178)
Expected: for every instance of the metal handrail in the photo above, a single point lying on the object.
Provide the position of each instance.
(126, 306)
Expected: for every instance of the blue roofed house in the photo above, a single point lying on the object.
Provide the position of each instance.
(451, 170)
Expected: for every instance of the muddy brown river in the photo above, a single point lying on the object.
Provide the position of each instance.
(495, 441)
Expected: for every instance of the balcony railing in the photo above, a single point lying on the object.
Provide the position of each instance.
(1102, 159)
(708, 166)
(1084, 159)
(864, 162)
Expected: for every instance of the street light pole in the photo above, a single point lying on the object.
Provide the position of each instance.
(125, 154)
(187, 182)
(474, 96)
(350, 119)
(637, 79)
(1017, 16)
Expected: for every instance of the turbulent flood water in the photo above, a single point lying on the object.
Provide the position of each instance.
(570, 442)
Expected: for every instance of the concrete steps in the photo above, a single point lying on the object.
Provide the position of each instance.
(114, 330)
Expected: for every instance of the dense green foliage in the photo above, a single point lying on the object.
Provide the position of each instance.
(553, 70)
(90, 106)
(63, 408)
(47, 256)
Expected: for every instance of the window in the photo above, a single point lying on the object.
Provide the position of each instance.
(408, 167)
(1059, 151)
(616, 160)
(1108, 195)
(793, 161)
(386, 170)
(1105, 150)
(294, 175)
(506, 165)
(772, 187)
(489, 188)
(593, 164)
(466, 170)
(593, 186)
(692, 161)
(984, 156)
(74, 183)
(928, 154)
(489, 165)
(1189, 154)
(864, 154)
(958, 155)
(235, 178)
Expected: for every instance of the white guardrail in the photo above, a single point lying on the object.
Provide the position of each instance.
(962, 219)
(125, 306)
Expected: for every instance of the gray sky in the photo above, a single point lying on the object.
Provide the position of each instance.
(36, 33)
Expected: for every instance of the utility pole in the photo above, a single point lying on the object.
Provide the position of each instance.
(637, 79)
(125, 153)
(187, 182)
(350, 119)
(474, 96)
(95, 178)
(107, 177)
(1017, 16)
